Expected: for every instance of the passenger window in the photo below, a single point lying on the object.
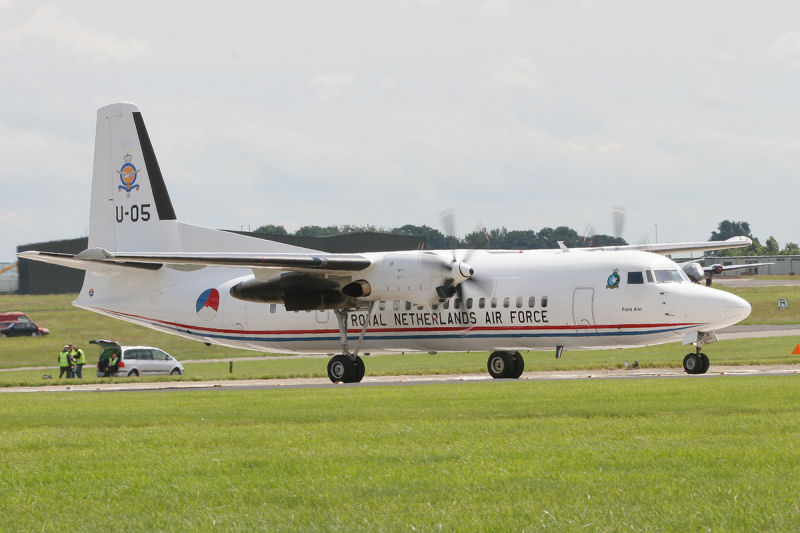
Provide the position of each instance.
(408, 306)
(481, 302)
(519, 302)
(531, 302)
(494, 302)
(272, 308)
(649, 276)
(635, 278)
(435, 307)
(446, 304)
(457, 304)
(469, 303)
(396, 305)
(382, 305)
(506, 301)
(419, 308)
(544, 301)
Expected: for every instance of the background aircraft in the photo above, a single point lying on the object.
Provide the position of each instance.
(144, 266)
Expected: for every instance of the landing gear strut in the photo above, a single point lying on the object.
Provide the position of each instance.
(505, 365)
(696, 363)
(347, 367)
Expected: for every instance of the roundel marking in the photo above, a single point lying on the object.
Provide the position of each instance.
(207, 304)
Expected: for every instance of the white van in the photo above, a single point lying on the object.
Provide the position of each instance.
(136, 360)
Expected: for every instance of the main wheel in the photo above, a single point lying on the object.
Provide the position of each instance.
(705, 363)
(340, 369)
(358, 370)
(692, 363)
(501, 365)
(519, 365)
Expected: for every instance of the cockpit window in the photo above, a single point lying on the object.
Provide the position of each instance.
(635, 278)
(649, 276)
(667, 276)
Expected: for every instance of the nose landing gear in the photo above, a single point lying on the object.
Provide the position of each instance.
(696, 363)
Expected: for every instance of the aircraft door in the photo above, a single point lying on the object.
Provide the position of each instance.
(583, 307)
(322, 316)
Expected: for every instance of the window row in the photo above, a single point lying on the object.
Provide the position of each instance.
(493, 303)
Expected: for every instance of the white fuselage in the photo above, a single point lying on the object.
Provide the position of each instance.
(516, 300)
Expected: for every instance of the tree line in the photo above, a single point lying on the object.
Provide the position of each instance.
(546, 238)
(497, 238)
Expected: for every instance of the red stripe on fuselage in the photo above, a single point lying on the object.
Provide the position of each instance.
(401, 330)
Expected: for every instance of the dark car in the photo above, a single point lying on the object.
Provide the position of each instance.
(22, 329)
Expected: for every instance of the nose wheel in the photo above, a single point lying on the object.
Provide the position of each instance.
(696, 363)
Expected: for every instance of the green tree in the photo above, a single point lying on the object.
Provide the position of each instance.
(317, 231)
(791, 248)
(272, 229)
(772, 247)
(728, 229)
(434, 239)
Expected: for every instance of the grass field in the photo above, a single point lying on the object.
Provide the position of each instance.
(690, 454)
(764, 301)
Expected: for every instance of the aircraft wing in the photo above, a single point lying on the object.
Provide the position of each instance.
(679, 247)
(717, 269)
(97, 259)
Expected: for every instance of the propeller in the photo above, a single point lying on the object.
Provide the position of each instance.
(618, 214)
(460, 269)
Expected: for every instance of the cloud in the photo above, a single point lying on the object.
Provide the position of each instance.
(785, 49)
(52, 30)
(512, 73)
(330, 85)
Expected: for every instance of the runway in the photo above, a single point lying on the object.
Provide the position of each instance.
(369, 381)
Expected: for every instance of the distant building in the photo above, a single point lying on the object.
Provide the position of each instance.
(36, 277)
(9, 278)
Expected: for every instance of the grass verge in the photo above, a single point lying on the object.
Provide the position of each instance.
(674, 455)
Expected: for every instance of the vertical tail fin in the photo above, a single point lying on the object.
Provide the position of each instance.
(131, 209)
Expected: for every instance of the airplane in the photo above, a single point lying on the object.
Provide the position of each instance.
(696, 271)
(144, 266)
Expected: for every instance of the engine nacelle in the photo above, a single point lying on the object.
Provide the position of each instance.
(694, 271)
(295, 290)
(407, 276)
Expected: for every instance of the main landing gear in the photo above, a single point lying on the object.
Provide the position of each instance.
(505, 365)
(347, 367)
(696, 363)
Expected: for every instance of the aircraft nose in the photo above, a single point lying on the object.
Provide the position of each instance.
(736, 308)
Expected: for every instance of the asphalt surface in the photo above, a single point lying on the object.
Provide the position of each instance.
(266, 384)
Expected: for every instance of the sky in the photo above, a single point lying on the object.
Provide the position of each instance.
(513, 114)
